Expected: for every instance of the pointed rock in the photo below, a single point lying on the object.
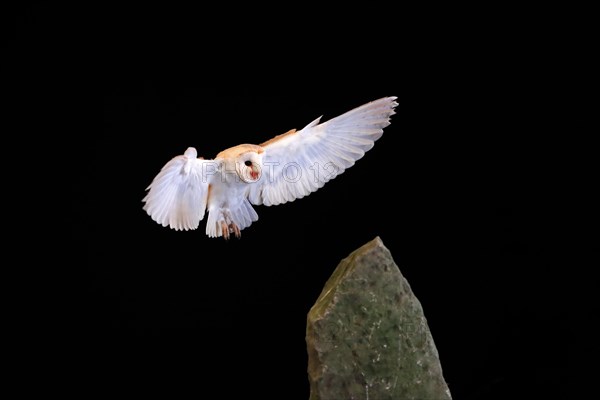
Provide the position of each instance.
(367, 336)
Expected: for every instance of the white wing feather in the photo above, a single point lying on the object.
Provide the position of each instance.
(300, 163)
(177, 196)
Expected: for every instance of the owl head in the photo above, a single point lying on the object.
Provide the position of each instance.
(245, 159)
(248, 165)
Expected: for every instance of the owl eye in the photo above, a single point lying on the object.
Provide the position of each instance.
(248, 163)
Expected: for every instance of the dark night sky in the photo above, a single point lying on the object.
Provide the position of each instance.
(460, 188)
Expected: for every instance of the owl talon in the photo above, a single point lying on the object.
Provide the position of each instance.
(225, 230)
(233, 228)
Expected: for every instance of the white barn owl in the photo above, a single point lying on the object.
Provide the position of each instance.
(285, 168)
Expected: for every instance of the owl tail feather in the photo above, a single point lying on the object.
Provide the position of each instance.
(242, 217)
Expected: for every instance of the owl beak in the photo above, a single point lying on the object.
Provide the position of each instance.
(253, 174)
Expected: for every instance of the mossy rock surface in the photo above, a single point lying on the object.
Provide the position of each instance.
(367, 336)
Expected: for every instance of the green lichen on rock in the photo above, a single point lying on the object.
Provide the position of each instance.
(367, 336)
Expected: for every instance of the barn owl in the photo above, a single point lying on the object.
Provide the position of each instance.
(285, 168)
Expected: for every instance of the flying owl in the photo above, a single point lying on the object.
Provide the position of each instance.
(285, 168)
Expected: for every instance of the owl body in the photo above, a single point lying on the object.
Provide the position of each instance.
(288, 167)
(229, 210)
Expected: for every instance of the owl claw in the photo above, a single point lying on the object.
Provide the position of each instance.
(227, 230)
(235, 230)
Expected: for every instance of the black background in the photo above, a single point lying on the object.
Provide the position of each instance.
(462, 188)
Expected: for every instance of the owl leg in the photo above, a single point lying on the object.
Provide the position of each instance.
(229, 226)
(225, 230)
(235, 230)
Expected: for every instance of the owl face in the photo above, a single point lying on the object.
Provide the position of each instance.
(248, 166)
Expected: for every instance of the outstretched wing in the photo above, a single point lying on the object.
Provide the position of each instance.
(296, 164)
(177, 196)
